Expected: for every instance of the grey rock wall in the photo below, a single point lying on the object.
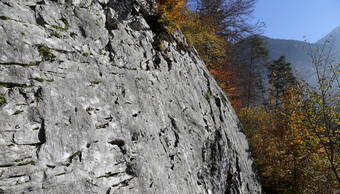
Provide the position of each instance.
(95, 97)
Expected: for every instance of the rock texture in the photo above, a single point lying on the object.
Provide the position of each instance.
(96, 97)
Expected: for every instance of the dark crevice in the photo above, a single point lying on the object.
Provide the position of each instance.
(131, 169)
(123, 92)
(172, 161)
(156, 61)
(154, 21)
(42, 132)
(6, 165)
(136, 114)
(34, 63)
(162, 143)
(108, 48)
(124, 183)
(8, 4)
(16, 176)
(199, 178)
(173, 123)
(175, 126)
(42, 2)
(12, 85)
(40, 21)
(238, 169)
(108, 190)
(176, 140)
(73, 156)
(229, 182)
(102, 126)
(109, 118)
(147, 68)
(109, 174)
(32, 7)
(219, 105)
(117, 101)
(31, 162)
(218, 102)
(111, 23)
(82, 31)
(206, 124)
(38, 94)
(120, 143)
(228, 140)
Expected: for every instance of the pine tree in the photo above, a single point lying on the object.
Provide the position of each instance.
(280, 77)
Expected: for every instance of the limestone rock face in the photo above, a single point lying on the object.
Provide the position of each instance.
(96, 97)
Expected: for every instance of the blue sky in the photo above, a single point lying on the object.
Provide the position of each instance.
(294, 19)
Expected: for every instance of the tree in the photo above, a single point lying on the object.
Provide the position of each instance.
(324, 115)
(290, 145)
(212, 48)
(172, 10)
(280, 77)
(297, 143)
(307, 111)
(229, 17)
(252, 55)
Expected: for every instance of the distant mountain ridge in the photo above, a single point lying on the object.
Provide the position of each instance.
(297, 52)
(334, 35)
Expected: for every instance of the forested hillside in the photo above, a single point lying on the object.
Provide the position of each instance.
(292, 125)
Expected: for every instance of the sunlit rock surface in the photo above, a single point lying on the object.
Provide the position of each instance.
(95, 97)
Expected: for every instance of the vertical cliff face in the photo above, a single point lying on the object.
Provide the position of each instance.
(95, 97)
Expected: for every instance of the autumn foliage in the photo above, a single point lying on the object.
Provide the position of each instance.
(172, 10)
(294, 150)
